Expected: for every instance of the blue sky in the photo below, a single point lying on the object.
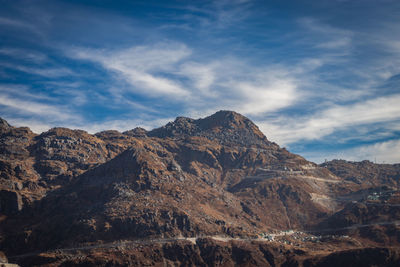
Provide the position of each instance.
(321, 78)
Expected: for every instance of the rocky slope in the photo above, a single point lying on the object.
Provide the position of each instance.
(216, 176)
(366, 173)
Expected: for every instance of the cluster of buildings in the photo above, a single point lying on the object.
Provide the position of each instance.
(291, 237)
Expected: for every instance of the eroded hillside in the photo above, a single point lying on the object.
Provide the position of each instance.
(212, 177)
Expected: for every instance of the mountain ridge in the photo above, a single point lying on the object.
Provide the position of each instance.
(215, 176)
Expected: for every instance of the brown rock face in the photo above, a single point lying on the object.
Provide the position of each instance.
(225, 127)
(216, 177)
(4, 126)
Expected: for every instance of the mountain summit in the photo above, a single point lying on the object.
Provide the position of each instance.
(227, 127)
(4, 126)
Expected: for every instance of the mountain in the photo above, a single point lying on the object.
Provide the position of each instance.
(182, 193)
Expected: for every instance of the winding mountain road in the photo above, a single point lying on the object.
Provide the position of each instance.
(193, 240)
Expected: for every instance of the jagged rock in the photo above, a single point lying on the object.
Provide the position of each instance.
(226, 127)
(4, 126)
(136, 132)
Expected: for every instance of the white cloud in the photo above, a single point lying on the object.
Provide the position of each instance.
(169, 71)
(141, 66)
(387, 152)
(42, 117)
(22, 92)
(326, 36)
(213, 16)
(32, 108)
(124, 125)
(267, 94)
(383, 152)
(333, 44)
(19, 24)
(202, 75)
(36, 125)
(50, 72)
(287, 130)
(24, 54)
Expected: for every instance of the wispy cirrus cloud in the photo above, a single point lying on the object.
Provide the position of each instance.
(20, 24)
(141, 66)
(51, 72)
(27, 107)
(336, 117)
(22, 92)
(36, 110)
(211, 16)
(25, 54)
(326, 36)
(262, 91)
(169, 70)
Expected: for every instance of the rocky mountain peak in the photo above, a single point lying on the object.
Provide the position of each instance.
(230, 120)
(61, 131)
(180, 127)
(225, 118)
(225, 126)
(4, 126)
(136, 132)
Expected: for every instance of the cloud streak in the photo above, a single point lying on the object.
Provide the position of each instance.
(24, 54)
(50, 72)
(381, 152)
(18, 24)
(333, 118)
(31, 107)
(139, 66)
(168, 70)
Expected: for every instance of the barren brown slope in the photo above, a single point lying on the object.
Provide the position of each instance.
(214, 176)
(366, 173)
(195, 170)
